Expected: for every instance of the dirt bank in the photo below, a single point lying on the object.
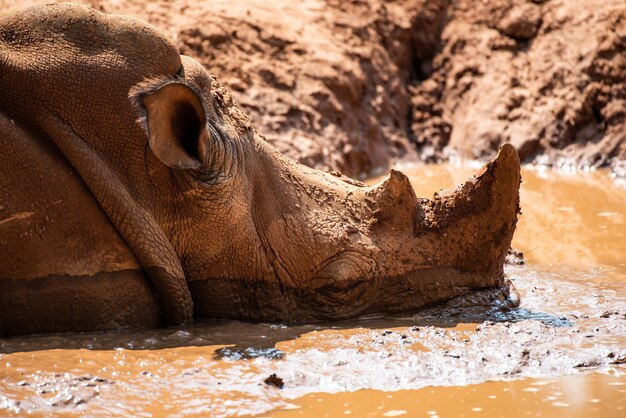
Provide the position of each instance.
(354, 85)
(548, 76)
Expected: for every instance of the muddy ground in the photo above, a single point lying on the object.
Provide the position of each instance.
(353, 86)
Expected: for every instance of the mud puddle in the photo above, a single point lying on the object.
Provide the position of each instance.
(560, 353)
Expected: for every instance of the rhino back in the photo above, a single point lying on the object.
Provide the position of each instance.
(63, 266)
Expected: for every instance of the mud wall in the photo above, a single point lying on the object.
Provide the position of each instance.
(356, 85)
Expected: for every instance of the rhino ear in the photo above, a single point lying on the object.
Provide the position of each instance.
(175, 120)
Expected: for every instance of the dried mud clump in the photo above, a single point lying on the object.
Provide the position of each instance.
(354, 85)
(274, 380)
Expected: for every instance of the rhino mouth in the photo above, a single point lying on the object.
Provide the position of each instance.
(268, 301)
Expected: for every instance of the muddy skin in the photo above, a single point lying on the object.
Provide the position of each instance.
(160, 192)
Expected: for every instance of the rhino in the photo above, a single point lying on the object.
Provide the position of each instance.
(135, 193)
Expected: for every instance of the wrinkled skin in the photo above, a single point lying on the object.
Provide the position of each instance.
(134, 192)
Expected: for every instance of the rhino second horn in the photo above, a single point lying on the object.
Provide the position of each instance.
(394, 200)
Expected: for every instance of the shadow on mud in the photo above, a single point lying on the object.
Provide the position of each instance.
(244, 340)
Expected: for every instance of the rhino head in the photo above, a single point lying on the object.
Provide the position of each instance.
(223, 225)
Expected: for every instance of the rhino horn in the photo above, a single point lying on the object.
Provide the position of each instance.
(393, 200)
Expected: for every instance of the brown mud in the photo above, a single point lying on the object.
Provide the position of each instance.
(354, 86)
(562, 350)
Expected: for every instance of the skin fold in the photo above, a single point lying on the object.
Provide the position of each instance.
(134, 192)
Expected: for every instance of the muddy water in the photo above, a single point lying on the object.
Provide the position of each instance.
(579, 396)
(559, 354)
